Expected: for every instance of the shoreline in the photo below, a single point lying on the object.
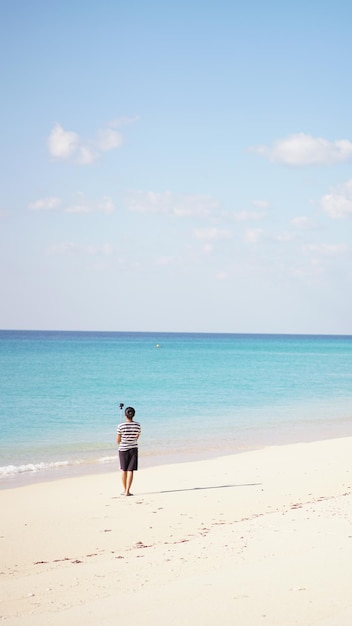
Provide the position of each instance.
(255, 439)
(265, 533)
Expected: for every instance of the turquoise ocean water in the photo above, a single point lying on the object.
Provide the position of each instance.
(194, 394)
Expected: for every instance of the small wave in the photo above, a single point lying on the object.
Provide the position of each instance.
(13, 470)
(107, 459)
(10, 470)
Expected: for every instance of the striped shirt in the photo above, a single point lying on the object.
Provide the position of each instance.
(129, 432)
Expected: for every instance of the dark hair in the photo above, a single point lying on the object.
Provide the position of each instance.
(129, 412)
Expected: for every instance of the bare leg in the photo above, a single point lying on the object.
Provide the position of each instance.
(129, 481)
(124, 480)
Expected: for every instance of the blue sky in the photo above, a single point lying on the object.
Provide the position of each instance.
(176, 167)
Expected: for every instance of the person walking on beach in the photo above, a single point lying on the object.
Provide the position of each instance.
(128, 433)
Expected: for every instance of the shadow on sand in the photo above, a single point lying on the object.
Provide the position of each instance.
(201, 488)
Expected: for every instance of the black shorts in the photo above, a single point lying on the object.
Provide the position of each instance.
(129, 460)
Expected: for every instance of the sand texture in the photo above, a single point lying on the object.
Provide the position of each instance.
(263, 537)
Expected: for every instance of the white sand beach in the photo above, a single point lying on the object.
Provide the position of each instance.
(262, 537)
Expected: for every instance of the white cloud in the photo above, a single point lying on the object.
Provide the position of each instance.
(69, 248)
(261, 204)
(66, 145)
(247, 216)
(303, 223)
(82, 205)
(62, 143)
(221, 276)
(208, 248)
(308, 271)
(165, 260)
(327, 249)
(284, 237)
(104, 250)
(124, 121)
(63, 249)
(302, 149)
(86, 155)
(105, 205)
(212, 234)
(45, 204)
(256, 235)
(109, 139)
(253, 235)
(191, 205)
(338, 203)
